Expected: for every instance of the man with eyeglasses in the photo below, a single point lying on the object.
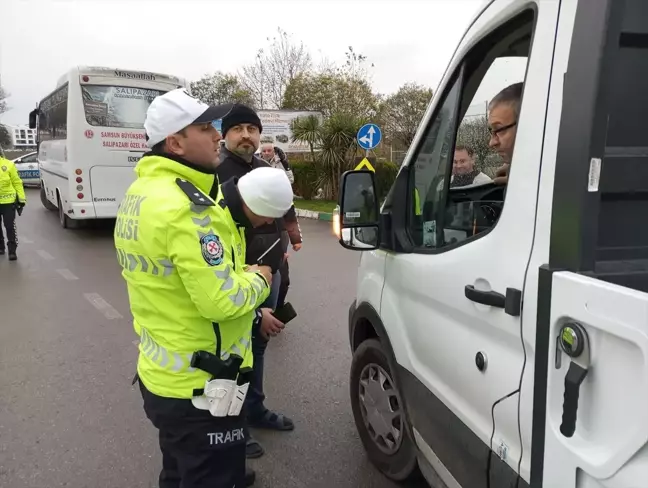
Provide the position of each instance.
(503, 114)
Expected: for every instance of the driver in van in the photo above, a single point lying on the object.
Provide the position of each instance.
(503, 113)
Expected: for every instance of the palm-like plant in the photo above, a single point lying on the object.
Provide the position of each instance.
(335, 139)
(309, 130)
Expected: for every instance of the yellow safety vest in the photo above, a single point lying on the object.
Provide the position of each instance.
(183, 259)
(11, 186)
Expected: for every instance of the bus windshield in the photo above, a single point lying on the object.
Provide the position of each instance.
(117, 106)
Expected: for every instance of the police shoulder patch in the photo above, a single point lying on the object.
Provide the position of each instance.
(212, 249)
(195, 195)
(4, 168)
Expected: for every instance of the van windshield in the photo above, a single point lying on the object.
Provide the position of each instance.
(117, 106)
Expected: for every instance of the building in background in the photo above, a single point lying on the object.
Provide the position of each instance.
(22, 137)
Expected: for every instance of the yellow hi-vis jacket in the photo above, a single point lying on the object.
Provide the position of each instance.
(183, 259)
(11, 186)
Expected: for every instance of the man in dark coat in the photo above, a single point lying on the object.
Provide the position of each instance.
(241, 129)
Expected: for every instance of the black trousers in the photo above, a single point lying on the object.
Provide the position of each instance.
(8, 218)
(198, 450)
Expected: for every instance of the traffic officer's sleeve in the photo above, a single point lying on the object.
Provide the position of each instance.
(218, 286)
(17, 183)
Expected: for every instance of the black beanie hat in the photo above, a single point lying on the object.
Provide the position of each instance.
(240, 114)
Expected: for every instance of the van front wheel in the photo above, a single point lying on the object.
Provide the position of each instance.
(379, 413)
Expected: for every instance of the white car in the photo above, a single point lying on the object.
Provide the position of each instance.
(28, 169)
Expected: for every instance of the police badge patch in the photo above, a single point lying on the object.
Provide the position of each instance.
(212, 249)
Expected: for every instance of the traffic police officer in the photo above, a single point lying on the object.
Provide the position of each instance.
(193, 299)
(12, 195)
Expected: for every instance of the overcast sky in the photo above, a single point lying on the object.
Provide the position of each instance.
(407, 40)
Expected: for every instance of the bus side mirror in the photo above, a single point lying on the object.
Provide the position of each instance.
(32, 118)
(359, 218)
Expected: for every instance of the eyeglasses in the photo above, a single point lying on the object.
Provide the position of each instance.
(496, 132)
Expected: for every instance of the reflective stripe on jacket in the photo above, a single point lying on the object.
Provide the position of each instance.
(183, 262)
(11, 186)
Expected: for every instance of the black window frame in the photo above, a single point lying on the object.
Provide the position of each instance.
(464, 72)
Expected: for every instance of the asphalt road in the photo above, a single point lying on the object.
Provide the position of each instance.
(68, 414)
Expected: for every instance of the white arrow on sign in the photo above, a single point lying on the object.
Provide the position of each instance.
(369, 137)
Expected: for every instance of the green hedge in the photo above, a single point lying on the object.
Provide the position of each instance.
(307, 174)
(385, 175)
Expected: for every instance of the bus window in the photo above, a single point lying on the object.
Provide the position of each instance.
(117, 106)
(52, 122)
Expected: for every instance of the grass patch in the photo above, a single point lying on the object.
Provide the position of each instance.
(316, 205)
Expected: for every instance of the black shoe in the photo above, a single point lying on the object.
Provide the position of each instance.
(250, 476)
(2, 252)
(12, 256)
(270, 420)
(253, 449)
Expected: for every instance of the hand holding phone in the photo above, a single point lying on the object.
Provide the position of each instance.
(285, 313)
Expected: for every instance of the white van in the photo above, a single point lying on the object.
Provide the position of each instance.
(510, 348)
(90, 137)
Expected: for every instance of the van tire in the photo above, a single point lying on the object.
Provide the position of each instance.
(43, 198)
(400, 464)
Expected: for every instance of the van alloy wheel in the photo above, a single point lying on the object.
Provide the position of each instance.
(381, 408)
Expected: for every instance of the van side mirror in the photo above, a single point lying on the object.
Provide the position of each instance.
(33, 118)
(359, 218)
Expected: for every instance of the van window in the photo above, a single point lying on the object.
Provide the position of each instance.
(460, 170)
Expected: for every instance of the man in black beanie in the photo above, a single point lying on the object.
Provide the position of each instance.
(241, 129)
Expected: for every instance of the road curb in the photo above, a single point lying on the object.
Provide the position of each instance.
(310, 214)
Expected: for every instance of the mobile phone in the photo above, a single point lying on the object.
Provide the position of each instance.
(285, 313)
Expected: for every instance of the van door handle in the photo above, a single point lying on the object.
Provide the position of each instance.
(490, 298)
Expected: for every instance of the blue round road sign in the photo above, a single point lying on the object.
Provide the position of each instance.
(369, 136)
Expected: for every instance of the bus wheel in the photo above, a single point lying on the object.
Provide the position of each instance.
(65, 221)
(43, 198)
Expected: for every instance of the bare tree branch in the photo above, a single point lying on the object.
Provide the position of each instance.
(274, 68)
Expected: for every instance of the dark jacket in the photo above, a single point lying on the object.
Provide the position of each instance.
(258, 239)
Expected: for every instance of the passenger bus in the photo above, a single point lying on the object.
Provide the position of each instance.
(90, 136)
